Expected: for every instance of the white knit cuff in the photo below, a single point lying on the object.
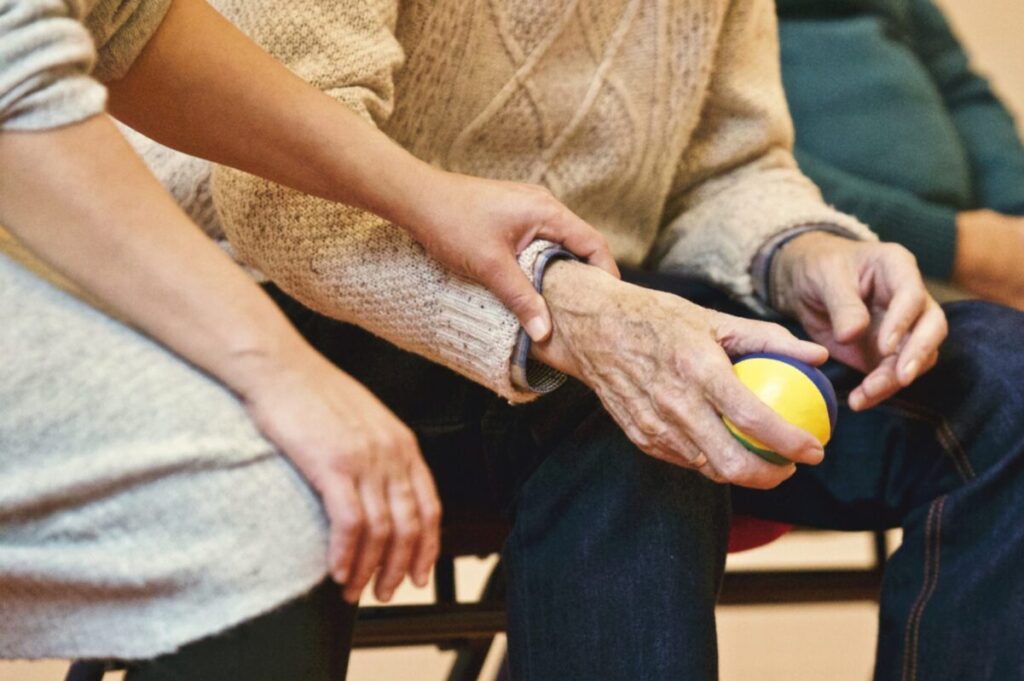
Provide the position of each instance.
(480, 338)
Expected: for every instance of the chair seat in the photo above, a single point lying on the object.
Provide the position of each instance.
(748, 532)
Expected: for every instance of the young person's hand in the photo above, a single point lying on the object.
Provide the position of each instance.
(989, 255)
(477, 227)
(866, 302)
(377, 491)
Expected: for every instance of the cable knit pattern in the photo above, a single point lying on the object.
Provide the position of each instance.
(663, 124)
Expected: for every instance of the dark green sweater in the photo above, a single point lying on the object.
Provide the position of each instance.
(893, 124)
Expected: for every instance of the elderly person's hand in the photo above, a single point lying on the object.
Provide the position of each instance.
(866, 303)
(660, 365)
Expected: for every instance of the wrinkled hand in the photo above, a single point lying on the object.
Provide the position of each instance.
(661, 367)
(477, 227)
(866, 303)
(990, 247)
(366, 465)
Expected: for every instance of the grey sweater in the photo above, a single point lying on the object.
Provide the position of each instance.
(54, 52)
(140, 509)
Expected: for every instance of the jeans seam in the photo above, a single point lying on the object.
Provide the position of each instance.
(933, 554)
(947, 438)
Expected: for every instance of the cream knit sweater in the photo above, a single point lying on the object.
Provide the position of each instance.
(661, 123)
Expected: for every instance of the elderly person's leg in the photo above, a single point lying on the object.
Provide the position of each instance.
(140, 510)
(614, 559)
(944, 459)
(614, 562)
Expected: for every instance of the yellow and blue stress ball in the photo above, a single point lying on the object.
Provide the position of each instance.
(799, 392)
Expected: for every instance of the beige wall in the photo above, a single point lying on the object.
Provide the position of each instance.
(992, 31)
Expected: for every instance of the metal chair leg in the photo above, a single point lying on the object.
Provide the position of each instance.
(472, 655)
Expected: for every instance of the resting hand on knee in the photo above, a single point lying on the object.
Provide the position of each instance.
(866, 303)
(366, 465)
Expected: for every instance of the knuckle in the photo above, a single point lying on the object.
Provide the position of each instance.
(358, 443)
(351, 522)
(379, 529)
(649, 424)
(899, 252)
(731, 473)
(340, 463)
(431, 515)
(665, 398)
(746, 417)
(406, 438)
(408, 529)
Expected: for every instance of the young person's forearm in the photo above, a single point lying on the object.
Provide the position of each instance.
(202, 87)
(84, 203)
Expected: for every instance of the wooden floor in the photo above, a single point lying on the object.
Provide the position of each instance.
(770, 643)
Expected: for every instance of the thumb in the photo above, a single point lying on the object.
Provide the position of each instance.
(847, 312)
(514, 289)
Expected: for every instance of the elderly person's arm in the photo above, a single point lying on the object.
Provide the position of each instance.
(350, 264)
(202, 87)
(741, 214)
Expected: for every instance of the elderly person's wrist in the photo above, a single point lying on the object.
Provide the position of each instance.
(584, 300)
(771, 269)
(578, 296)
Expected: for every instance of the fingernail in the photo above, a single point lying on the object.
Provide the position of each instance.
(420, 580)
(893, 342)
(341, 576)
(537, 329)
(910, 370)
(386, 596)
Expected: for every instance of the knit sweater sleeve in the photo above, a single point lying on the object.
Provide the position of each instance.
(985, 126)
(46, 55)
(340, 261)
(737, 185)
(48, 60)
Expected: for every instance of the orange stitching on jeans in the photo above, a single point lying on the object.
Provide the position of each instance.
(944, 432)
(933, 535)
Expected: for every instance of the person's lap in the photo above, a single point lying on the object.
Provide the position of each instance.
(607, 542)
(944, 460)
(140, 508)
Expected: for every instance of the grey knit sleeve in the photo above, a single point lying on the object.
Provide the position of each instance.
(46, 55)
(48, 60)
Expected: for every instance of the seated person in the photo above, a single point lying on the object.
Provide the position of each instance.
(664, 125)
(155, 491)
(896, 128)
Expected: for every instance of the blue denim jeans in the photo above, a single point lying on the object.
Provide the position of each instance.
(614, 559)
